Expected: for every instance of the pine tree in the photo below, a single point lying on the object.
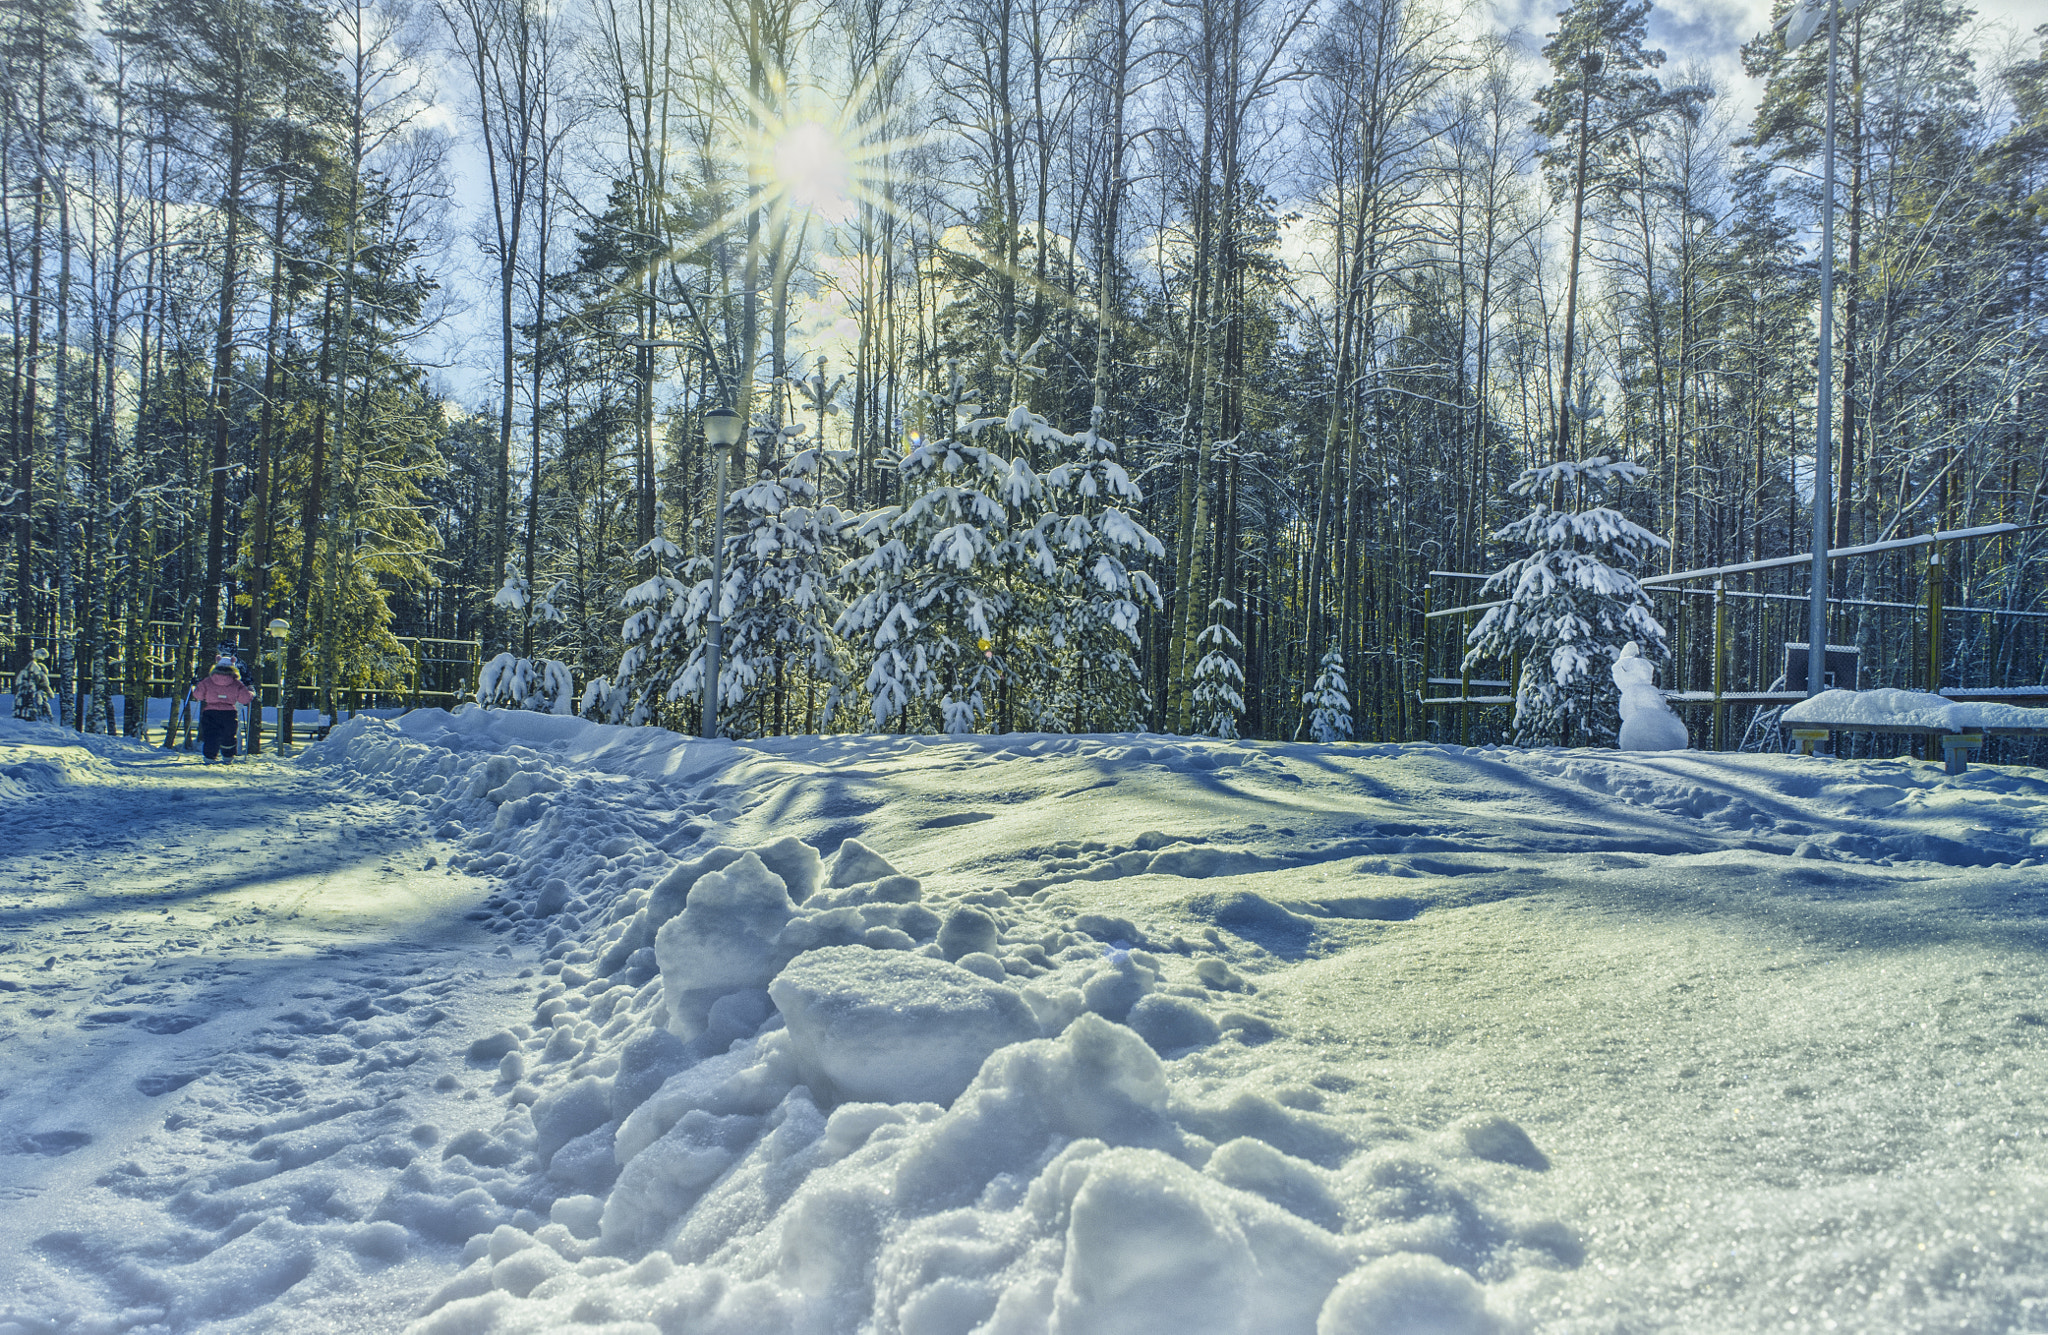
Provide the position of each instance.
(1219, 681)
(1329, 699)
(935, 592)
(1568, 609)
(1603, 86)
(237, 58)
(515, 681)
(1100, 598)
(777, 602)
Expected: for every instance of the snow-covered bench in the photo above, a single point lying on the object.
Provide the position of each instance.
(1960, 726)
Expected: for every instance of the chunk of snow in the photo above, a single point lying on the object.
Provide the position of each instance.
(1408, 1292)
(893, 1027)
(723, 940)
(856, 863)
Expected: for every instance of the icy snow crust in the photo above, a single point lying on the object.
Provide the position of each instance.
(1035, 1033)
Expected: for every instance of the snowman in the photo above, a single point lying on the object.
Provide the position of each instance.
(1647, 723)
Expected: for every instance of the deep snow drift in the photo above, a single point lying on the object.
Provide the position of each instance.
(1029, 1033)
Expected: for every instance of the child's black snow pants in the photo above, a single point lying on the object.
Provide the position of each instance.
(217, 732)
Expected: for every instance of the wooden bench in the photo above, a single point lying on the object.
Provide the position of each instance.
(1956, 743)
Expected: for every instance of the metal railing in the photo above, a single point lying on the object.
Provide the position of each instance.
(1940, 641)
(432, 671)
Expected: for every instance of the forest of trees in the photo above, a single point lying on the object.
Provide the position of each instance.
(1081, 345)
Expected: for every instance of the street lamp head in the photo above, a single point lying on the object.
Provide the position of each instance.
(279, 628)
(722, 427)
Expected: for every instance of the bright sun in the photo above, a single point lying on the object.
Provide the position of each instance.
(811, 170)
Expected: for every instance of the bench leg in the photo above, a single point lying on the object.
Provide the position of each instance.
(1808, 738)
(1956, 748)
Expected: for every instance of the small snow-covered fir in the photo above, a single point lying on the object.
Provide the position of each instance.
(1219, 681)
(996, 593)
(515, 681)
(1329, 700)
(935, 583)
(544, 685)
(932, 601)
(1099, 596)
(1569, 606)
(653, 635)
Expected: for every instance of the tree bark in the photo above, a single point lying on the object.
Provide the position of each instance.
(210, 620)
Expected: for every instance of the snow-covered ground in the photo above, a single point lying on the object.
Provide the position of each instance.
(489, 1022)
(157, 711)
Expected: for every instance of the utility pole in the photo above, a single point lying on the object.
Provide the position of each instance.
(1589, 69)
(1800, 24)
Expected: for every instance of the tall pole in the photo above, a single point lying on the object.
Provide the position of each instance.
(721, 432)
(1589, 70)
(1824, 406)
(714, 648)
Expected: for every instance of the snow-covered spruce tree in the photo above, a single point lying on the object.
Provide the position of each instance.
(512, 681)
(1570, 607)
(1219, 681)
(1093, 619)
(932, 598)
(654, 651)
(1329, 700)
(777, 603)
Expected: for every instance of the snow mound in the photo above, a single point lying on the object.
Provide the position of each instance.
(47, 757)
(1059, 1192)
(889, 1027)
(765, 1091)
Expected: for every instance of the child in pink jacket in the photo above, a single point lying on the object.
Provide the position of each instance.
(219, 694)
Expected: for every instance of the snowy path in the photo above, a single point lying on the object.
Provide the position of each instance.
(1011, 1035)
(261, 947)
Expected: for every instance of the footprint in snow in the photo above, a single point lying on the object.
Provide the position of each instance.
(958, 818)
(169, 1024)
(52, 1143)
(165, 1082)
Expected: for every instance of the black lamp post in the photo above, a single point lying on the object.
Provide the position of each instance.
(279, 630)
(721, 432)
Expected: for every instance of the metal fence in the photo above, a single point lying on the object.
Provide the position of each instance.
(1729, 628)
(428, 672)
